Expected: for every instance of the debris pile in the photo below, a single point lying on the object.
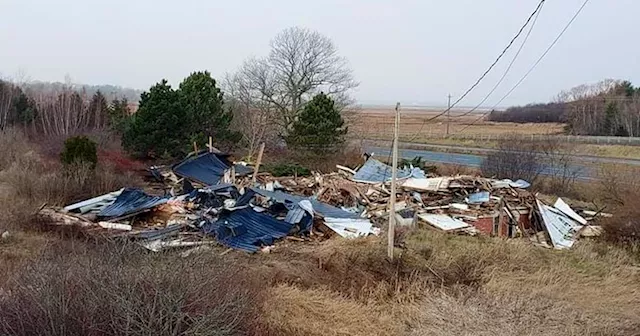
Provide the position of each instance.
(207, 199)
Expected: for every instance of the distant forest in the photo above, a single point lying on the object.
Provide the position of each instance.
(110, 92)
(608, 108)
(64, 109)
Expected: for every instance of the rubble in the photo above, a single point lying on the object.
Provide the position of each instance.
(207, 199)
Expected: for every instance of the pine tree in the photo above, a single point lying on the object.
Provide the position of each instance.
(119, 115)
(157, 127)
(169, 121)
(204, 110)
(98, 111)
(319, 126)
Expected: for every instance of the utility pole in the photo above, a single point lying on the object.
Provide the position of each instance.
(394, 176)
(448, 113)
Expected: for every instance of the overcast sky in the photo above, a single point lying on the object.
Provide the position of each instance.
(414, 52)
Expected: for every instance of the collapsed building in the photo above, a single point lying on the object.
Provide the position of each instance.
(208, 199)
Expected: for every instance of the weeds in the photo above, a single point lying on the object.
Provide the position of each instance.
(118, 290)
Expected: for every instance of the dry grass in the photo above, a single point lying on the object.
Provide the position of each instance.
(448, 285)
(79, 289)
(437, 285)
(379, 123)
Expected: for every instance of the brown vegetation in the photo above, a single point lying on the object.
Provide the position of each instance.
(79, 289)
(439, 284)
(378, 124)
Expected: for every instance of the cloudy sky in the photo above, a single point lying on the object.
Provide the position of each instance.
(415, 52)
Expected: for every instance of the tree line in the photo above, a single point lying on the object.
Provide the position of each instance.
(607, 108)
(63, 111)
(296, 96)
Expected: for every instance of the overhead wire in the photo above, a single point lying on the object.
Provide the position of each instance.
(531, 16)
(566, 27)
(504, 75)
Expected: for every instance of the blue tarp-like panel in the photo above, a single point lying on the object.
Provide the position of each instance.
(247, 230)
(374, 171)
(130, 201)
(324, 209)
(207, 168)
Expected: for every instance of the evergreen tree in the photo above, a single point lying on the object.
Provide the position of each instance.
(156, 129)
(119, 115)
(25, 108)
(169, 121)
(319, 126)
(98, 110)
(204, 109)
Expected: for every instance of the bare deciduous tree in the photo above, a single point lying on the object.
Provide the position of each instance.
(252, 114)
(301, 64)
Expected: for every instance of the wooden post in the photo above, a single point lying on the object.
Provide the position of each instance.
(500, 217)
(195, 147)
(258, 161)
(210, 145)
(394, 175)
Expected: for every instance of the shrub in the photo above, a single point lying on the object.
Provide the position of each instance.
(79, 150)
(515, 158)
(115, 289)
(286, 169)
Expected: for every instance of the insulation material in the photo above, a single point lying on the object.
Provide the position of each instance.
(426, 184)
(443, 222)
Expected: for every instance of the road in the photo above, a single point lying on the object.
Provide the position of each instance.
(583, 166)
(450, 149)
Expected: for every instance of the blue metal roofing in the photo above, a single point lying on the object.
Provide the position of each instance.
(246, 229)
(207, 168)
(130, 201)
(324, 209)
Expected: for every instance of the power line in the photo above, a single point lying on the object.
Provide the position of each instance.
(533, 66)
(543, 54)
(491, 66)
(504, 75)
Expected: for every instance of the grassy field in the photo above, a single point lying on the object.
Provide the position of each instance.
(378, 124)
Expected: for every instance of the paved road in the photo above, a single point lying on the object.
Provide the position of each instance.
(453, 148)
(583, 170)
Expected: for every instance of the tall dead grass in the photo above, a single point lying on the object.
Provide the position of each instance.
(29, 180)
(448, 285)
(110, 289)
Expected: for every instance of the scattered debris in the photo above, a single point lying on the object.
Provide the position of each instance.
(207, 199)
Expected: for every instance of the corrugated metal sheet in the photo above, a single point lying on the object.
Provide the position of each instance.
(562, 229)
(247, 230)
(349, 227)
(374, 171)
(566, 209)
(478, 198)
(95, 204)
(323, 209)
(130, 201)
(207, 168)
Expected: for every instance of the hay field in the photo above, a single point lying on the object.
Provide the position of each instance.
(378, 123)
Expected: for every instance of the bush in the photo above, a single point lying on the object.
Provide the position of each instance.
(115, 289)
(515, 159)
(79, 150)
(286, 169)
